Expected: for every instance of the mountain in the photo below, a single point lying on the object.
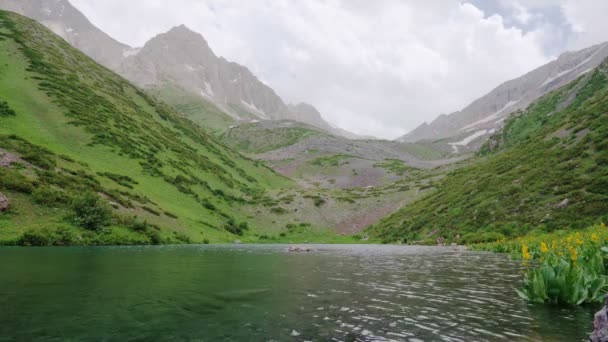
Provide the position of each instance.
(467, 129)
(545, 170)
(178, 59)
(69, 126)
(183, 57)
(306, 113)
(69, 23)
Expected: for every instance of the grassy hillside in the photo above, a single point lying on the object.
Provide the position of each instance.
(547, 170)
(263, 137)
(75, 128)
(195, 108)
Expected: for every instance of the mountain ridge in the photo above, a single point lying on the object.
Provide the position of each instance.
(238, 92)
(487, 114)
(545, 170)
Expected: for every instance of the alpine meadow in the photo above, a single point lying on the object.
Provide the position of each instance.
(277, 170)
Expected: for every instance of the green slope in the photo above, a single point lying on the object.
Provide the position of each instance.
(195, 108)
(261, 137)
(81, 128)
(555, 151)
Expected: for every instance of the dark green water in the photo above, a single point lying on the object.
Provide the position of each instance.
(262, 293)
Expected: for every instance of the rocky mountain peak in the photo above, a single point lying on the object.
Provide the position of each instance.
(180, 57)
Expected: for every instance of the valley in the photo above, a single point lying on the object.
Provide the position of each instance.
(177, 196)
(192, 168)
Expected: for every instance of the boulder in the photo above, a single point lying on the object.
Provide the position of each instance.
(4, 203)
(600, 325)
(237, 242)
(563, 204)
(6, 158)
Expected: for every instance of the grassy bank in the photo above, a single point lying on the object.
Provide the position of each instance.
(565, 267)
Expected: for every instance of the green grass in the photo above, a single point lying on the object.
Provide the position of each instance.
(195, 108)
(523, 174)
(254, 138)
(332, 160)
(423, 151)
(112, 138)
(395, 166)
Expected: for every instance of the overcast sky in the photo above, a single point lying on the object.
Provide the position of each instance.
(377, 67)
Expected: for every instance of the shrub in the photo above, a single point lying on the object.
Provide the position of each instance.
(5, 110)
(278, 210)
(472, 238)
(568, 268)
(65, 236)
(36, 238)
(182, 237)
(50, 197)
(139, 225)
(15, 181)
(91, 212)
(237, 229)
(155, 237)
(562, 281)
(170, 214)
(40, 158)
(150, 210)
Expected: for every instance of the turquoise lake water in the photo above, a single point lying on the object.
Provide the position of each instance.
(263, 293)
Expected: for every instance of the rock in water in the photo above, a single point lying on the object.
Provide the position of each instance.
(600, 325)
(298, 249)
(4, 203)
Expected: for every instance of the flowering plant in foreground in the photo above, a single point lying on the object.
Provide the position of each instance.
(563, 267)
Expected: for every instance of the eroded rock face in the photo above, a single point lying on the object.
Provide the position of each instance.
(4, 203)
(600, 325)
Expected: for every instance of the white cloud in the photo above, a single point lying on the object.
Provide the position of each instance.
(588, 21)
(373, 67)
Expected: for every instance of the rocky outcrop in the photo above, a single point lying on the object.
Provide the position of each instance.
(4, 203)
(600, 325)
(7, 158)
(563, 204)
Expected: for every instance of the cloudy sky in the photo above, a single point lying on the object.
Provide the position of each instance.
(373, 67)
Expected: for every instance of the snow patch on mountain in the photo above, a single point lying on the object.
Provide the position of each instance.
(255, 110)
(565, 72)
(469, 139)
(491, 117)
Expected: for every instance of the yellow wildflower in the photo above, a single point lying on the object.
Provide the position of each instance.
(543, 247)
(525, 253)
(595, 237)
(573, 253)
